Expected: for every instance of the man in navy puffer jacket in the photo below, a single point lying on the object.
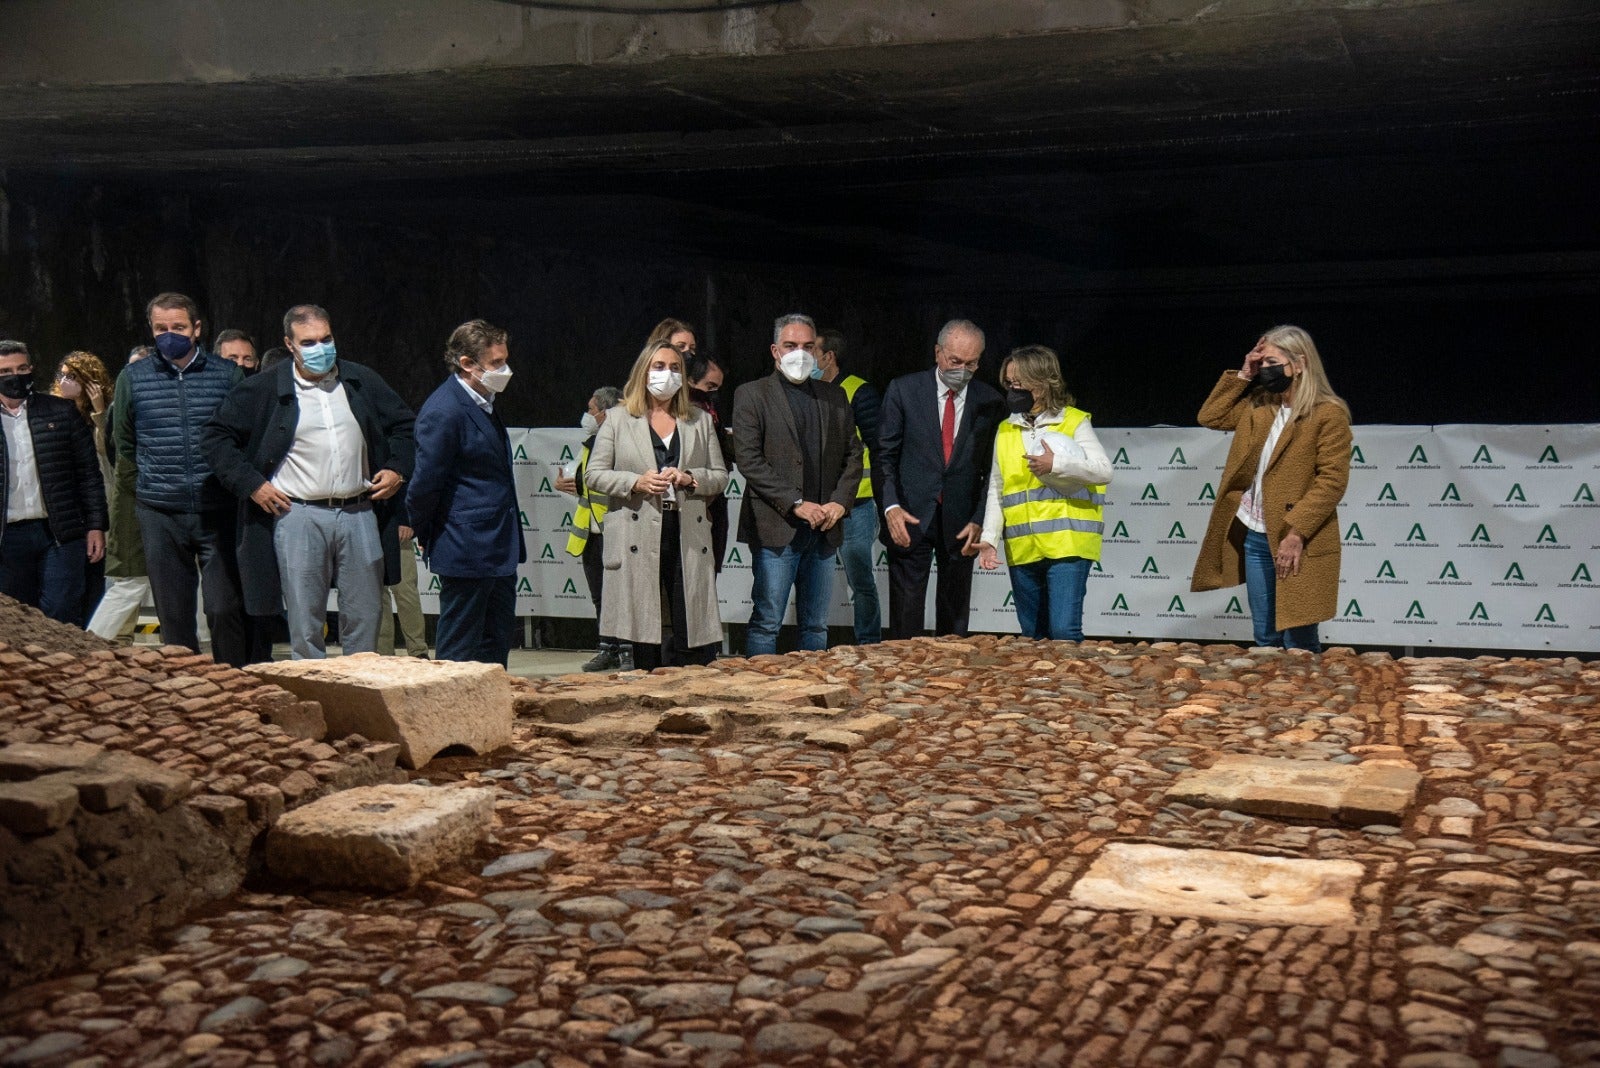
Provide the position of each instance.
(186, 518)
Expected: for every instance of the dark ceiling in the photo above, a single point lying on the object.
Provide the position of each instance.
(1448, 151)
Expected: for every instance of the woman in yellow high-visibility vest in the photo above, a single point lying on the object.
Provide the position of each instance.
(1047, 487)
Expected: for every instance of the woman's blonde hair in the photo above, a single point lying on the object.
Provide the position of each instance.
(88, 370)
(1312, 387)
(1040, 367)
(636, 394)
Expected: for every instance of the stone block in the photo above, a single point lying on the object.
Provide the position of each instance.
(29, 760)
(158, 787)
(379, 837)
(37, 807)
(100, 789)
(1357, 794)
(1220, 885)
(424, 705)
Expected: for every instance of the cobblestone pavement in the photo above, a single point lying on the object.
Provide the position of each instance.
(905, 902)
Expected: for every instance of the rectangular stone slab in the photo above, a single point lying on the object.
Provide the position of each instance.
(424, 705)
(1220, 885)
(1355, 794)
(379, 837)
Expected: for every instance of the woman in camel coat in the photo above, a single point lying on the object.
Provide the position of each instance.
(1275, 524)
(656, 456)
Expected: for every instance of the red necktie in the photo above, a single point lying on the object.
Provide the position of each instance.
(947, 426)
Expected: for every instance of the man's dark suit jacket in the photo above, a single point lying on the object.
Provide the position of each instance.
(251, 432)
(767, 443)
(909, 466)
(463, 499)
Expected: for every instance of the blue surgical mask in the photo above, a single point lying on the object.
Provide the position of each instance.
(318, 359)
(816, 372)
(174, 346)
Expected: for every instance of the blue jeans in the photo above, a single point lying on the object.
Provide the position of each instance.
(38, 572)
(476, 619)
(860, 540)
(1056, 586)
(804, 565)
(1261, 583)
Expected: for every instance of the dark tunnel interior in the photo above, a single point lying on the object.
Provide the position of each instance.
(1429, 214)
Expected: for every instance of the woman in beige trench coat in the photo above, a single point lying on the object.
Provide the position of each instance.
(657, 458)
(1275, 525)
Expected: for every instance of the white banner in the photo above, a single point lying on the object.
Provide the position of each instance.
(1454, 537)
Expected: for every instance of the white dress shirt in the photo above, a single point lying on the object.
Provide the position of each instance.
(486, 403)
(1069, 471)
(24, 494)
(329, 455)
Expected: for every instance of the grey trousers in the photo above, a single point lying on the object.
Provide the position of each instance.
(326, 548)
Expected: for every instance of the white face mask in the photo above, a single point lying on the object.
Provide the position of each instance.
(495, 381)
(589, 423)
(663, 383)
(797, 365)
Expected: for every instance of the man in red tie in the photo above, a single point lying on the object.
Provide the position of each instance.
(936, 438)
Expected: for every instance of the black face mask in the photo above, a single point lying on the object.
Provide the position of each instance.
(1020, 401)
(1273, 378)
(17, 387)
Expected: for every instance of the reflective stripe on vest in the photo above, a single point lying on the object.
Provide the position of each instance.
(1042, 523)
(851, 383)
(592, 508)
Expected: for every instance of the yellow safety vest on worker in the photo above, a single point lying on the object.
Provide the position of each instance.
(851, 383)
(1042, 522)
(591, 512)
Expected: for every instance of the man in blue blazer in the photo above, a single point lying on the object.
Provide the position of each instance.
(463, 499)
(935, 442)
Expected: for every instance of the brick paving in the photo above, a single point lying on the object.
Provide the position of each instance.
(731, 898)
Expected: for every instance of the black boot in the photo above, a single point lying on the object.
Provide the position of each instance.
(605, 659)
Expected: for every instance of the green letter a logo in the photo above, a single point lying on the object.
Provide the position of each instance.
(1482, 455)
(1120, 530)
(1386, 571)
(1235, 608)
(1354, 533)
(1449, 571)
(1416, 533)
(1547, 534)
(1353, 609)
(1120, 604)
(1549, 455)
(1418, 456)
(1478, 612)
(1582, 574)
(1176, 531)
(1149, 567)
(1516, 492)
(1450, 493)
(1177, 458)
(1176, 604)
(1387, 493)
(1149, 493)
(1415, 611)
(1355, 455)
(1514, 572)
(1583, 494)
(1121, 457)
(1544, 615)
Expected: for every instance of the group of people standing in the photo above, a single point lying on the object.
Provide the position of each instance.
(266, 491)
(260, 494)
(949, 469)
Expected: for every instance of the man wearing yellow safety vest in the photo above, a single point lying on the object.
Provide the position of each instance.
(1046, 500)
(861, 525)
(587, 539)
